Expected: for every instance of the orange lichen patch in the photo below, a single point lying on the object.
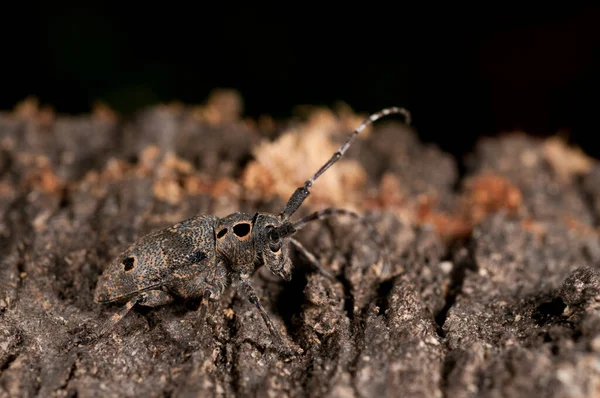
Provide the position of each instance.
(173, 107)
(448, 226)
(29, 109)
(534, 227)
(148, 160)
(421, 210)
(483, 195)
(115, 169)
(46, 116)
(390, 195)
(225, 187)
(41, 177)
(257, 179)
(175, 178)
(8, 143)
(390, 190)
(425, 207)
(266, 124)
(341, 117)
(487, 193)
(580, 227)
(171, 164)
(575, 226)
(222, 106)
(566, 161)
(197, 184)
(7, 190)
(169, 174)
(101, 111)
(153, 161)
(200, 184)
(47, 181)
(283, 165)
(169, 191)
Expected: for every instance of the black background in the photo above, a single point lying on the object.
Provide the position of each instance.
(463, 72)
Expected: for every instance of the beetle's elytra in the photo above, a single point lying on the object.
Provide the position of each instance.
(201, 256)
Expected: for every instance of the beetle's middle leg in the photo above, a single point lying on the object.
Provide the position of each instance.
(253, 298)
(152, 298)
(211, 288)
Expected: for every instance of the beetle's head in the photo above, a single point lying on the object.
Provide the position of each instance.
(273, 245)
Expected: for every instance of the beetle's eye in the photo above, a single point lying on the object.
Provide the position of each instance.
(274, 235)
(221, 233)
(129, 263)
(274, 240)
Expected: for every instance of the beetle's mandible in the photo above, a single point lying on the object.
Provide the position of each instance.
(199, 257)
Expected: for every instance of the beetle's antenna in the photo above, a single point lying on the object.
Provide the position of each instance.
(302, 193)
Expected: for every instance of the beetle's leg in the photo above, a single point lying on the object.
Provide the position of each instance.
(155, 298)
(253, 298)
(203, 309)
(88, 336)
(311, 258)
(115, 318)
(152, 298)
(207, 297)
(211, 286)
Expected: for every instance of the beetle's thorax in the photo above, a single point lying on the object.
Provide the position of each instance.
(235, 241)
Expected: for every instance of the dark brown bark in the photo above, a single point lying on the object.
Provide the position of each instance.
(507, 308)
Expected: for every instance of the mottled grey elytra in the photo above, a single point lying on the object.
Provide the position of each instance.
(201, 256)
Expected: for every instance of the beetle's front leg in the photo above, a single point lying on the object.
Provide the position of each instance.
(154, 298)
(311, 257)
(275, 335)
(209, 295)
(210, 287)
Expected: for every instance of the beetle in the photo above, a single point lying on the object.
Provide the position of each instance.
(200, 257)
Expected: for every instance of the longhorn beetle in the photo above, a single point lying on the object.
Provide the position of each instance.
(201, 256)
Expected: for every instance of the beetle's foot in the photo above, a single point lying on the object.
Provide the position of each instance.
(82, 336)
(289, 351)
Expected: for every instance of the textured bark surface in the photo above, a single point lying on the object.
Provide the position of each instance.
(495, 289)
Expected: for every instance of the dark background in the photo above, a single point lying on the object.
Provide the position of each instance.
(463, 72)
